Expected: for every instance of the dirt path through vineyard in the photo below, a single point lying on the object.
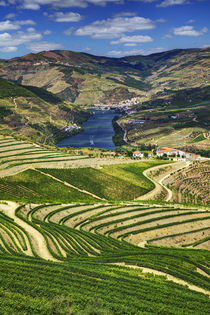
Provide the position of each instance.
(36, 237)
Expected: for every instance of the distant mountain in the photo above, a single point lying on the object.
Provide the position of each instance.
(86, 79)
(34, 113)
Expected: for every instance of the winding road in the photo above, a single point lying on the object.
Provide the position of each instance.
(36, 237)
(159, 183)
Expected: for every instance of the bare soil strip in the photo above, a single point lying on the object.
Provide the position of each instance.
(159, 186)
(168, 277)
(37, 238)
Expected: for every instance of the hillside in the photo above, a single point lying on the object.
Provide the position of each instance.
(172, 118)
(75, 239)
(191, 184)
(34, 113)
(86, 79)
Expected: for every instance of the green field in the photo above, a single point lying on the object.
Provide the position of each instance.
(111, 182)
(31, 186)
(133, 173)
(99, 183)
(33, 286)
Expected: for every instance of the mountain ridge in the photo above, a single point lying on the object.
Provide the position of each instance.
(87, 79)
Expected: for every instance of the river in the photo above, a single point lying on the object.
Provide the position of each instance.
(98, 132)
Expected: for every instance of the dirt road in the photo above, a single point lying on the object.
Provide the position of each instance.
(37, 238)
(168, 277)
(159, 181)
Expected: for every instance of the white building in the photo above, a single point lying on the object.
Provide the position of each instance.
(138, 154)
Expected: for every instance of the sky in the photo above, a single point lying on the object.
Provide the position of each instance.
(112, 28)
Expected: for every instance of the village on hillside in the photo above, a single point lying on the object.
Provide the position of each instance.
(175, 154)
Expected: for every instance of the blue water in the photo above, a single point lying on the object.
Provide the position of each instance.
(98, 132)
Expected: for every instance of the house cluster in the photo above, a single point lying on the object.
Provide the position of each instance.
(123, 106)
(129, 102)
(69, 128)
(136, 122)
(170, 152)
(139, 154)
(186, 114)
(177, 154)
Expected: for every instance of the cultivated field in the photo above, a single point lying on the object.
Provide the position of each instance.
(106, 243)
(191, 184)
(74, 240)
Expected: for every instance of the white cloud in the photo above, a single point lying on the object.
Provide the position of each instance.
(3, 4)
(168, 3)
(8, 49)
(146, 1)
(125, 14)
(25, 22)
(161, 20)
(121, 53)
(188, 30)
(190, 21)
(133, 39)
(115, 27)
(36, 4)
(68, 31)
(43, 46)
(130, 45)
(18, 38)
(206, 46)
(14, 25)
(31, 38)
(47, 32)
(167, 36)
(66, 17)
(31, 29)
(8, 25)
(10, 16)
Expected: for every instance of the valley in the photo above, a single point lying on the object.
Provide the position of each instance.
(117, 223)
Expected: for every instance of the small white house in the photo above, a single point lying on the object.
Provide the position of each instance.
(138, 154)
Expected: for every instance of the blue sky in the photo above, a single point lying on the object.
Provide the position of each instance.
(111, 28)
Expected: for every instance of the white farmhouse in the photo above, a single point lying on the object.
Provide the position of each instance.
(138, 154)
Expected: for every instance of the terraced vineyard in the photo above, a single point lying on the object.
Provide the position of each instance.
(19, 153)
(69, 244)
(26, 175)
(88, 244)
(192, 184)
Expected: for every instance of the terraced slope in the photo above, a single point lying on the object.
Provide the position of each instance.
(22, 154)
(36, 184)
(89, 243)
(95, 230)
(191, 184)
